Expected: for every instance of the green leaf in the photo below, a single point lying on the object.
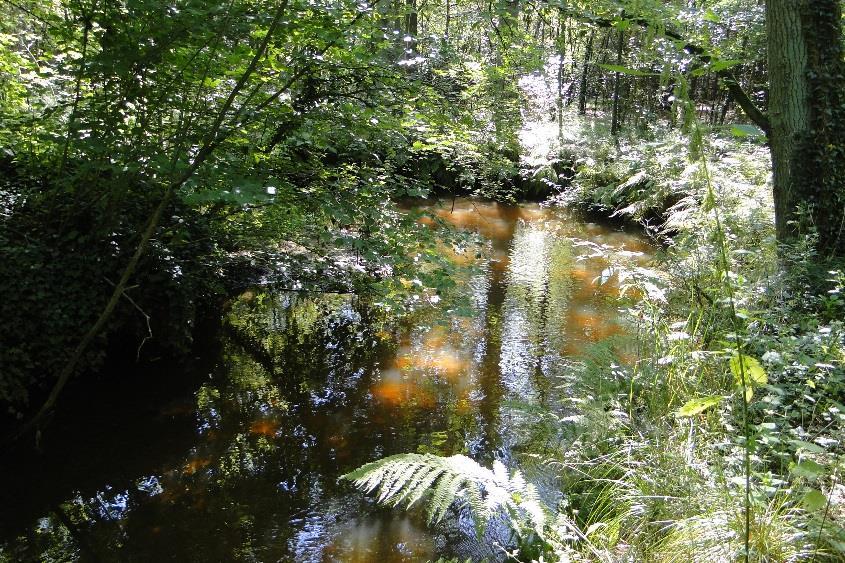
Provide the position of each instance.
(808, 446)
(698, 406)
(626, 70)
(742, 130)
(749, 394)
(711, 16)
(837, 545)
(716, 66)
(808, 469)
(814, 500)
(747, 371)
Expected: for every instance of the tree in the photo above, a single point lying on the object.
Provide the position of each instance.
(807, 118)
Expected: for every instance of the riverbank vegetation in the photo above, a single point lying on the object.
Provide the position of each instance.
(159, 158)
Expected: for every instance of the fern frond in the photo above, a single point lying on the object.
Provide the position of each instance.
(431, 474)
(406, 479)
(445, 493)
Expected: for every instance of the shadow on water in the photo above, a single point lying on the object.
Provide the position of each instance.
(299, 389)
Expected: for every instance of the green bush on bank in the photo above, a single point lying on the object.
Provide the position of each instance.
(669, 484)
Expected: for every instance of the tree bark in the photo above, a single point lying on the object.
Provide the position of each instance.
(617, 81)
(807, 78)
(411, 18)
(789, 107)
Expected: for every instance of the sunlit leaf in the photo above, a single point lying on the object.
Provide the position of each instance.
(711, 16)
(748, 371)
(742, 130)
(717, 66)
(808, 469)
(808, 446)
(814, 500)
(698, 406)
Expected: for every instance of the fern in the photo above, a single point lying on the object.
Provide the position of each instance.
(406, 479)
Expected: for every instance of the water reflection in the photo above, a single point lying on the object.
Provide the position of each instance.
(307, 387)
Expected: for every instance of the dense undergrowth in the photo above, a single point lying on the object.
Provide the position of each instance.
(672, 469)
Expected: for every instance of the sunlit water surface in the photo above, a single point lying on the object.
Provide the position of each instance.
(305, 387)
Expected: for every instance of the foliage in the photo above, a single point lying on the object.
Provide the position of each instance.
(440, 482)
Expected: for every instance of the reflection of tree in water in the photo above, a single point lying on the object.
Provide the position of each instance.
(253, 466)
(538, 293)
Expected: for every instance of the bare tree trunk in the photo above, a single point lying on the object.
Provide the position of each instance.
(582, 94)
(789, 108)
(617, 81)
(561, 49)
(411, 18)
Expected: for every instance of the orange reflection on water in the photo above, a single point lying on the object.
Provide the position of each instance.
(264, 428)
(366, 541)
(500, 264)
(195, 465)
(490, 223)
(426, 220)
(592, 325)
(408, 393)
(435, 337)
(393, 391)
(446, 362)
(436, 354)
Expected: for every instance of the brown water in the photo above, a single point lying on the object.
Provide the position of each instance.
(302, 388)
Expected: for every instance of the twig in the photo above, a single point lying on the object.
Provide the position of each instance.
(145, 315)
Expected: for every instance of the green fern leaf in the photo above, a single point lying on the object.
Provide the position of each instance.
(407, 479)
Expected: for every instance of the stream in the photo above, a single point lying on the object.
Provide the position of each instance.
(301, 388)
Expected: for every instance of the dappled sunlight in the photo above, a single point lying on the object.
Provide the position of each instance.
(457, 256)
(567, 278)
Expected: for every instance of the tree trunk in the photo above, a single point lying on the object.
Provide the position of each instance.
(411, 18)
(561, 49)
(582, 94)
(805, 104)
(789, 107)
(617, 81)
